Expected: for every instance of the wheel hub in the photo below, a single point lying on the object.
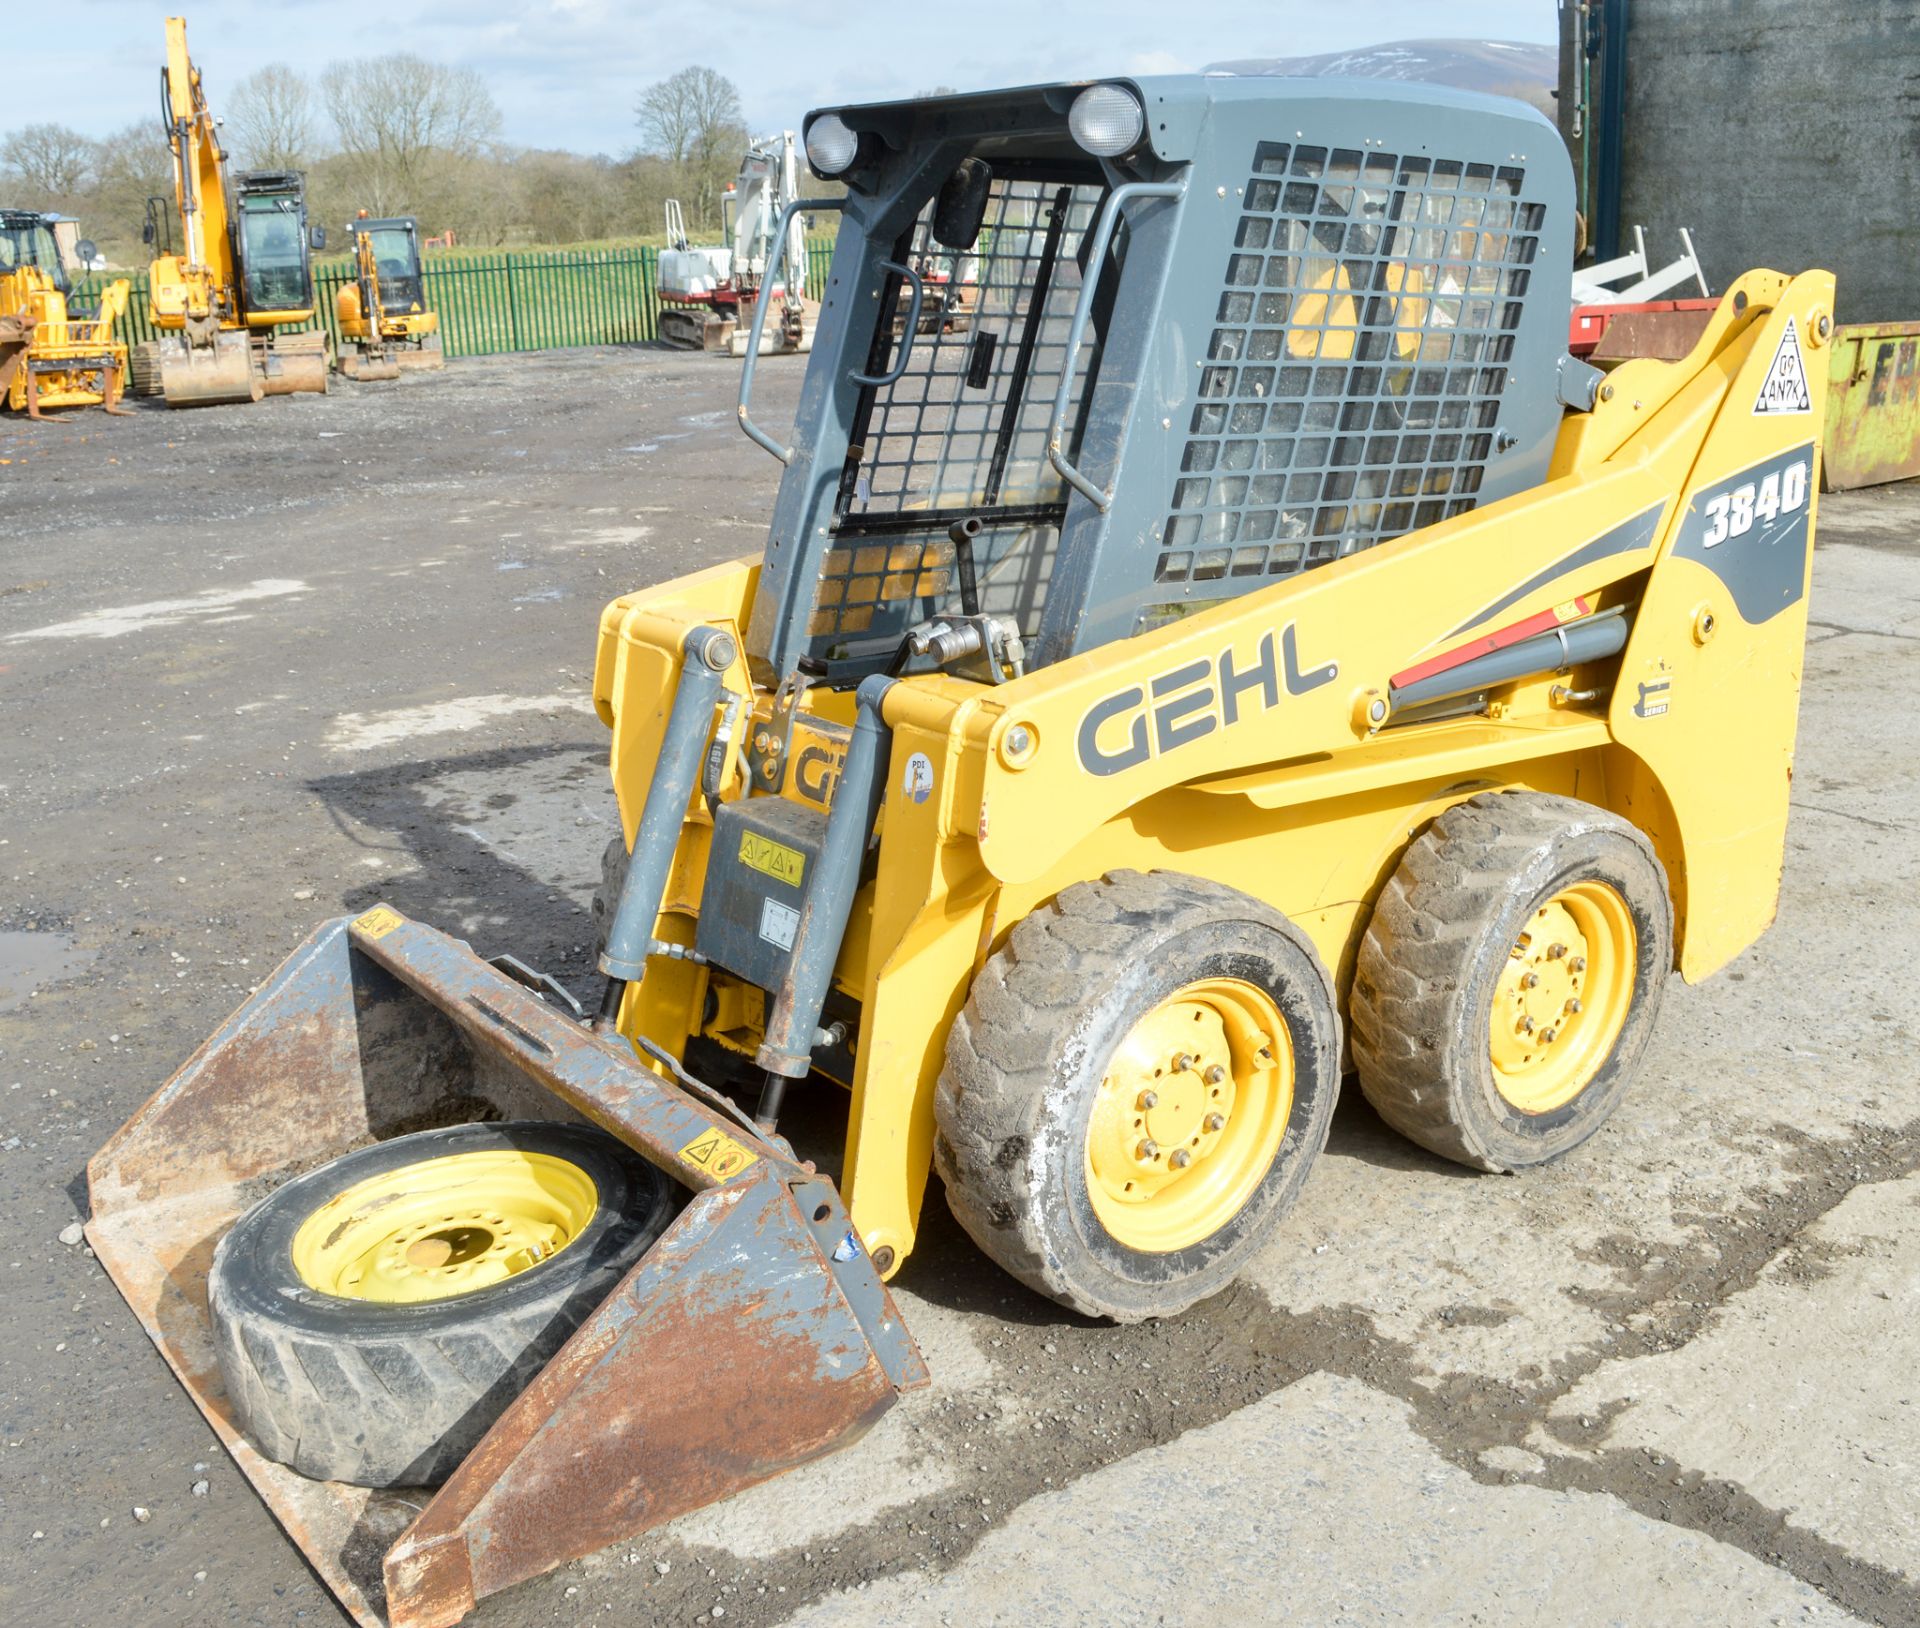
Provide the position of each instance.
(1562, 997)
(444, 1226)
(1189, 1115)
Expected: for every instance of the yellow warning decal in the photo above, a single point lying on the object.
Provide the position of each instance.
(772, 858)
(379, 921)
(718, 1154)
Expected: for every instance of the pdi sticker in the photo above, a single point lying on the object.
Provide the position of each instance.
(778, 923)
(917, 783)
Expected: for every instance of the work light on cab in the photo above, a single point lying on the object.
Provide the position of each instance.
(1106, 120)
(831, 144)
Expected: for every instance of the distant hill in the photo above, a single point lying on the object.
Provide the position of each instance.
(1499, 67)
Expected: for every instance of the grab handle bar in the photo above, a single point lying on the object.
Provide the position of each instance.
(880, 381)
(774, 262)
(1083, 309)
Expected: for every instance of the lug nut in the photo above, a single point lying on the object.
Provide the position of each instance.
(1574, 1007)
(1215, 1075)
(1148, 1150)
(1547, 1038)
(1526, 1025)
(1149, 1099)
(1555, 951)
(1577, 964)
(1528, 980)
(1180, 1158)
(1185, 1060)
(1216, 1122)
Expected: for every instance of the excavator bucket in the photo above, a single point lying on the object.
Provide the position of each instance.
(363, 366)
(207, 375)
(753, 1336)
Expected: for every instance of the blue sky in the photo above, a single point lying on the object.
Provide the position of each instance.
(566, 72)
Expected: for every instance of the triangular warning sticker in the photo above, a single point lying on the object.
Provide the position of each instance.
(1785, 388)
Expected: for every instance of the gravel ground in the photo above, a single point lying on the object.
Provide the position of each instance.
(265, 665)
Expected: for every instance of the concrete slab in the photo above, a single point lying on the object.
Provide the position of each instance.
(1805, 1390)
(1320, 1504)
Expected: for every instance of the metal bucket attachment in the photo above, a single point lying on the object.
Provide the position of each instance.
(428, 358)
(207, 375)
(293, 364)
(366, 366)
(753, 1336)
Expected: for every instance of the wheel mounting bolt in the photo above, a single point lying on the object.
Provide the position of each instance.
(1574, 1006)
(1148, 1150)
(1526, 1025)
(1216, 1075)
(1555, 951)
(1547, 1038)
(1180, 1159)
(1577, 964)
(1149, 1099)
(1216, 1122)
(1528, 980)
(1183, 1061)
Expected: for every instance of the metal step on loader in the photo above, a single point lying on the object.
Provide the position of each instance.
(1248, 652)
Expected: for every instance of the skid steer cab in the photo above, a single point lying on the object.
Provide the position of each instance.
(1248, 650)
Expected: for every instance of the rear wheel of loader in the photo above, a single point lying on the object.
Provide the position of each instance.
(373, 1317)
(1510, 978)
(1134, 1094)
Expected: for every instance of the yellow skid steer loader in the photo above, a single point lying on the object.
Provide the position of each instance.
(1249, 650)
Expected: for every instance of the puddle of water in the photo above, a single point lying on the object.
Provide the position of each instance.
(28, 960)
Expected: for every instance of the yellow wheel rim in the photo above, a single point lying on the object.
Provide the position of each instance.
(1563, 997)
(444, 1227)
(1190, 1113)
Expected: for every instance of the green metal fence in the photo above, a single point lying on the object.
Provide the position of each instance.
(489, 303)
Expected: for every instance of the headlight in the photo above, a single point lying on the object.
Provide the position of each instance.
(831, 146)
(1104, 119)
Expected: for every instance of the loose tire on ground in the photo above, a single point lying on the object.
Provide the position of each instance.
(1481, 900)
(396, 1394)
(1087, 990)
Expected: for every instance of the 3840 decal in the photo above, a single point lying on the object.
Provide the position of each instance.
(1732, 513)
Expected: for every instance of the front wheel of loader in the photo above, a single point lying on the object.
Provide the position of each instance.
(1509, 980)
(373, 1317)
(1135, 1091)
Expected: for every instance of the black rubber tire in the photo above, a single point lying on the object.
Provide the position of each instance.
(397, 1395)
(1424, 981)
(1025, 1058)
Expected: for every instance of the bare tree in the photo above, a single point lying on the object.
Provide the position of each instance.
(50, 160)
(271, 113)
(408, 128)
(134, 166)
(693, 121)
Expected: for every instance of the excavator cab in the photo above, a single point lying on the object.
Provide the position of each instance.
(273, 241)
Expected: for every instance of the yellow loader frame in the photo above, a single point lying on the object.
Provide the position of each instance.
(1309, 801)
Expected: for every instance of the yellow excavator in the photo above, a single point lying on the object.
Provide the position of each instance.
(226, 304)
(51, 353)
(385, 326)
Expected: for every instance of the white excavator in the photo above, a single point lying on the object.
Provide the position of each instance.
(704, 292)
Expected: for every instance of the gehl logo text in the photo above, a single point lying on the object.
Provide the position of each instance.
(1192, 701)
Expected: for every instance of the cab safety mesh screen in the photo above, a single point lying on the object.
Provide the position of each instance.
(1353, 379)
